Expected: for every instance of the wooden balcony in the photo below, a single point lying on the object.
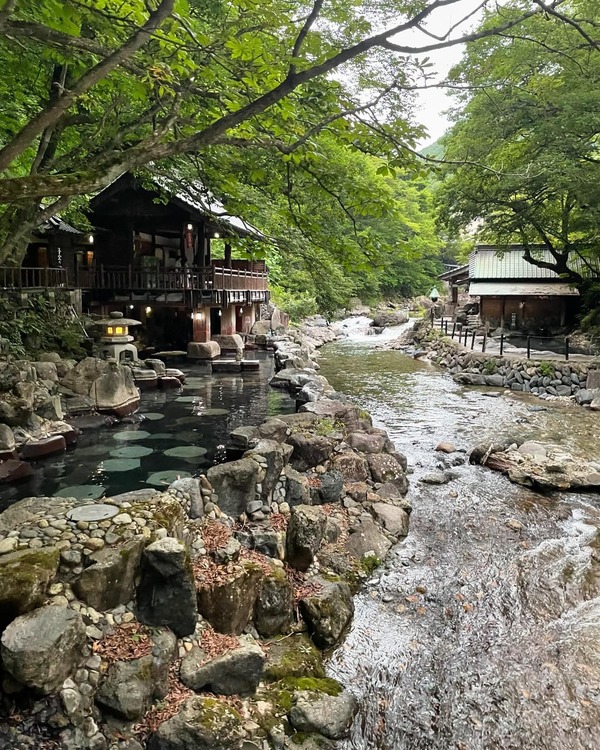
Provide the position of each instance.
(209, 278)
(121, 279)
(33, 278)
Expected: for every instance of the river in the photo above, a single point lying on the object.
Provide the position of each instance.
(482, 630)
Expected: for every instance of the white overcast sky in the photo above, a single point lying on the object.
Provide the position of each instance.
(432, 103)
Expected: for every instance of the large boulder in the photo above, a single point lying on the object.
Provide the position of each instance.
(392, 518)
(274, 612)
(386, 468)
(293, 656)
(352, 466)
(386, 318)
(273, 429)
(309, 450)
(235, 484)
(7, 439)
(203, 350)
(202, 724)
(24, 579)
(347, 414)
(236, 672)
(110, 579)
(167, 591)
(304, 535)
(327, 611)
(366, 442)
(115, 391)
(331, 485)
(42, 648)
(109, 385)
(229, 605)
(129, 687)
(329, 715)
(231, 342)
(367, 540)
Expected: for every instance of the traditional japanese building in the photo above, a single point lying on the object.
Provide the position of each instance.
(151, 256)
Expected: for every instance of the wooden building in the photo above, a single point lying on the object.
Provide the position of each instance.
(515, 294)
(150, 256)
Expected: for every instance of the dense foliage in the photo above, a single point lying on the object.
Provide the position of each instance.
(524, 152)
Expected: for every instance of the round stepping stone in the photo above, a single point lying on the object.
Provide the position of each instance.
(165, 478)
(119, 464)
(213, 412)
(153, 416)
(187, 399)
(82, 491)
(131, 435)
(186, 451)
(187, 421)
(161, 436)
(195, 382)
(95, 512)
(131, 451)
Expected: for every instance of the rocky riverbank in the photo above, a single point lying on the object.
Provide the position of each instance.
(198, 616)
(546, 379)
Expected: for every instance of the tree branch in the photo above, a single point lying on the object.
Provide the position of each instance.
(54, 111)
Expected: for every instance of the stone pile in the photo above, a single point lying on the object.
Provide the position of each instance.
(196, 617)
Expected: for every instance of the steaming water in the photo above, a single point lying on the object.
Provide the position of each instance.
(483, 630)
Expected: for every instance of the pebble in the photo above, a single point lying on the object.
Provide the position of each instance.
(93, 632)
(122, 519)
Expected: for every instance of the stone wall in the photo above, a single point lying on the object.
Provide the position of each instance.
(543, 378)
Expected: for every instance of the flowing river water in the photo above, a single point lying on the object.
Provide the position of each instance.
(482, 630)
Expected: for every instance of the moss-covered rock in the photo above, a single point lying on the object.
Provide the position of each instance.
(293, 656)
(24, 579)
(328, 611)
(229, 606)
(274, 611)
(203, 724)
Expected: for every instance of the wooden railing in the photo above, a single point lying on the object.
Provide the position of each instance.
(127, 278)
(130, 279)
(33, 278)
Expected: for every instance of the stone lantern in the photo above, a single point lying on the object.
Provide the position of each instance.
(116, 341)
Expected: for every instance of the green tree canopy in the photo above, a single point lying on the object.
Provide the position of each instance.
(92, 88)
(525, 151)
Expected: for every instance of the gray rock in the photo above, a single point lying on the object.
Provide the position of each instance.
(531, 448)
(229, 553)
(563, 390)
(24, 579)
(496, 380)
(236, 672)
(270, 543)
(304, 535)
(203, 350)
(353, 466)
(129, 687)
(593, 380)
(328, 611)
(235, 484)
(435, 477)
(386, 468)
(167, 591)
(7, 439)
(328, 715)
(585, 396)
(229, 606)
(42, 648)
(297, 488)
(273, 429)
(110, 580)
(201, 724)
(309, 450)
(367, 540)
(243, 437)
(393, 519)
(331, 487)
(365, 442)
(274, 612)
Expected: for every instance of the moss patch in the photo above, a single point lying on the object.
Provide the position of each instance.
(294, 656)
